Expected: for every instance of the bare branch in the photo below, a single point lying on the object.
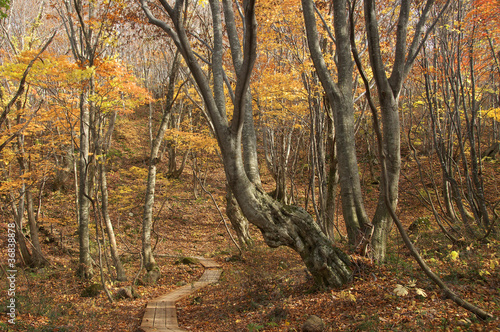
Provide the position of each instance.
(249, 56)
(22, 83)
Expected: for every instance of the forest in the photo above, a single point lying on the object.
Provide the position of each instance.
(336, 162)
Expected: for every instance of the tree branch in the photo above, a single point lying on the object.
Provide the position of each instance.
(22, 83)
(244, 74)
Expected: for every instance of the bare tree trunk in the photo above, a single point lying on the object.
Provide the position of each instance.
(75, 178)
(389, 89)
(448, 293)
(277, 147)
(84, 44)
(102, 144)
(26, 203)
(293, 227)
(36, 253)
(120, 271)
(332, 184)
(382, 221)
(85, 269)
(174, 171)
(249, 140)
(149, 260)
(147, 221)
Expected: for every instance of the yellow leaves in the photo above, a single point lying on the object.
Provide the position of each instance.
(138, 172)
(345, 295)
(115, 86)
(489, 265)
(454, 255)
(493, 113)
(192, 140)
(281, 94)
(127, 195)
(45, 219)
(48, 72)
(80, 75)
(203, 3)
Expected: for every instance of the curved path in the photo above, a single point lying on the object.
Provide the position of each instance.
(161, 313)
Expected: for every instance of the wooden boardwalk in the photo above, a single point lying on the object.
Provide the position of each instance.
(161, 313)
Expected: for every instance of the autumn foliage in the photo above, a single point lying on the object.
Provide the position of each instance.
(135, 80)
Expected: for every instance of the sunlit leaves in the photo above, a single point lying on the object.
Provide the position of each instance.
(130, 189)
(420, 292)
(116, 87)
(51, 106)
(197, 141)
(454, 255)
(282, 63)
(493, 113)
(401, 290)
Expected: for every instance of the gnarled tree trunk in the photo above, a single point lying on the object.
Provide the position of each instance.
(292, 226)
(238, 220)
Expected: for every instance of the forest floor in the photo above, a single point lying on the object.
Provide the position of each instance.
(265, 290)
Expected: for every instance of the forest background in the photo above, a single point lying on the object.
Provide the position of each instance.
(224, 129)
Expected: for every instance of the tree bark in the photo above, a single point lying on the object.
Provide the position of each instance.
(18, 220)
(382, 221)
(85, 269)
(330, 204)
(84, 44)
(33, 258)
(238, 220)
(291, 226)
(36, 254)
(120, 271)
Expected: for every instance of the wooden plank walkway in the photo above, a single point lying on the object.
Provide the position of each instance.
(161, 313)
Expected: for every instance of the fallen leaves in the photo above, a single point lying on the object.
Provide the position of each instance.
(401, 290)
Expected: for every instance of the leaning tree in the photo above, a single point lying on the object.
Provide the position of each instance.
(280, 224)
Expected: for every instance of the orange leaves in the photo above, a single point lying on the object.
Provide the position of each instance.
(116, 88)
(197, 141)
(488, 11)
(48, 111)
